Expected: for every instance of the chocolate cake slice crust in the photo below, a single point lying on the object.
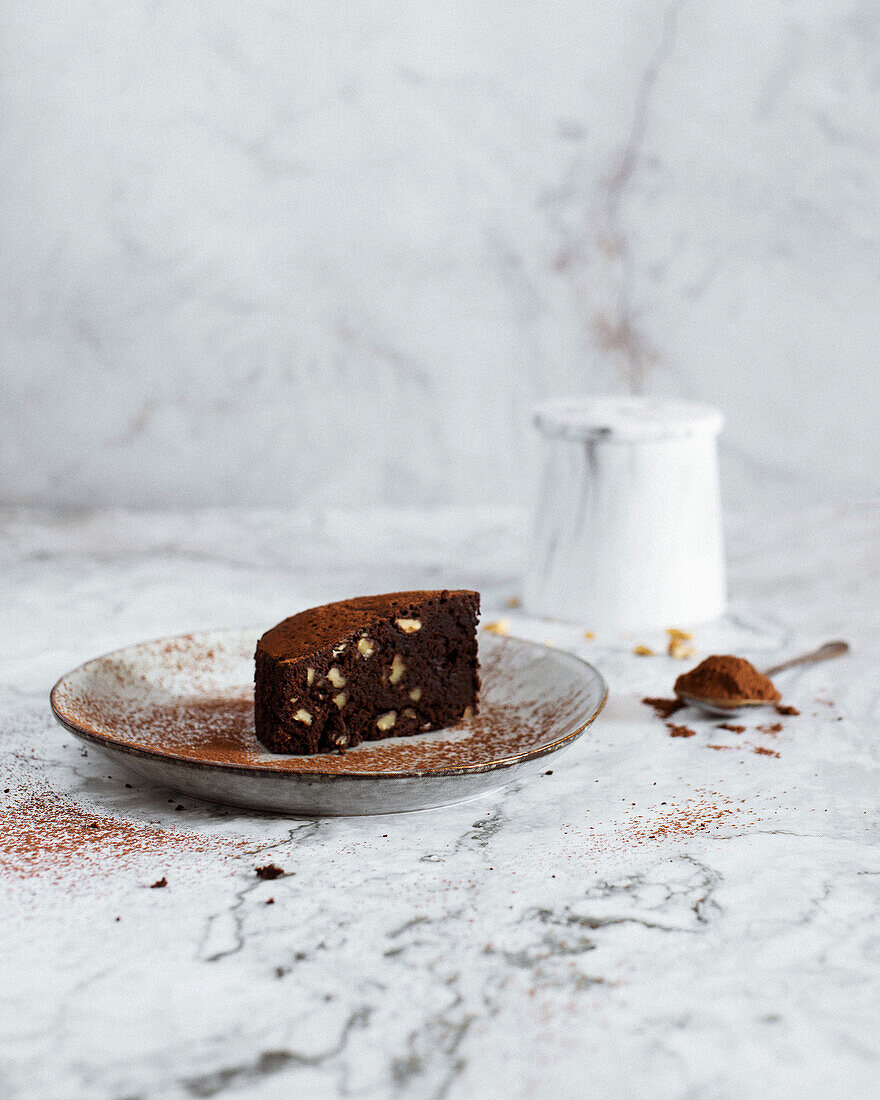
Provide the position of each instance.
(367, 668)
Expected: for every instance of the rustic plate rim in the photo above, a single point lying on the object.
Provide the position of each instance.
(103, 741)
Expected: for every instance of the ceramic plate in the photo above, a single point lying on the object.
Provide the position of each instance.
(180, 712)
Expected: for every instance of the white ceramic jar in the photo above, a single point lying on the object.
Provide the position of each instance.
(628, 527)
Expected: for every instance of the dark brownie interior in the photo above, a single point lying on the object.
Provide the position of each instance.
(367, 668)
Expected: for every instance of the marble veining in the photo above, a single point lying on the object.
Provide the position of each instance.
(236, 244)
(654, 917)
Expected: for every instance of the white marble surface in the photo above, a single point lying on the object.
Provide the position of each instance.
(542, 942)
(241, 240)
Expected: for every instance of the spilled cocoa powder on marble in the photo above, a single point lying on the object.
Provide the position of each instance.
(682, 824)
(269, 871)
(664, 708)
(703, 816)
(48, 836)
(680, 731)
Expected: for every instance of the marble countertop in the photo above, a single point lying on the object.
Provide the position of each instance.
(659, 916)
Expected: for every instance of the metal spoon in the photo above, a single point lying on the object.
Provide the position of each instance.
(729, 707)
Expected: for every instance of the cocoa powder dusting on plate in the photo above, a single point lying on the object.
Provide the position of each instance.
(201, 712)
(221, 731)
(787, 711)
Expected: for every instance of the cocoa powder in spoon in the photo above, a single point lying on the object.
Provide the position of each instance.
(727, 679)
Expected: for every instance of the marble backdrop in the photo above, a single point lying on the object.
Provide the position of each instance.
(281, 253)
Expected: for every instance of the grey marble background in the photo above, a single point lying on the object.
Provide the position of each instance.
(275, 254)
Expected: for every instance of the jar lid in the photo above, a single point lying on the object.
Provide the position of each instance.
(625, 419)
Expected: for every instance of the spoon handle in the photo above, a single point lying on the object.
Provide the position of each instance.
(823, 653)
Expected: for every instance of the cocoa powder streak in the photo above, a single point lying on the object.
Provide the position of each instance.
(664, 708)
(47, 835)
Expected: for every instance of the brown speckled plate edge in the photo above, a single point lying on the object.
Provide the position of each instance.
(101, 739)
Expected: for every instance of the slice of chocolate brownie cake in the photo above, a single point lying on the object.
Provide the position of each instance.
(362, 669)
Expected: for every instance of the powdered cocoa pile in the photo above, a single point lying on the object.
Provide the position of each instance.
(727, 678)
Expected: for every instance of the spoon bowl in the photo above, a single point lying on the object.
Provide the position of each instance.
(722, 708)
(728, 708)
